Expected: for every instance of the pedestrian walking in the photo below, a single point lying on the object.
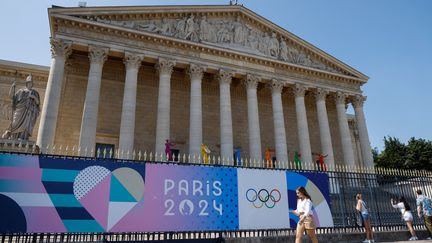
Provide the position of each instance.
(361, 207)
(424, 209)
(304, 211)
(407, 216)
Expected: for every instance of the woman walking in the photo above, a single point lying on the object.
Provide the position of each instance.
(304, 211)
(407, 216)
(361, 207)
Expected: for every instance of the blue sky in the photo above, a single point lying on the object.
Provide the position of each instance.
(388, 40)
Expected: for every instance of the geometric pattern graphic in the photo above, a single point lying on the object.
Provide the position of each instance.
(48, 194)
(316, 184)
(106, 195)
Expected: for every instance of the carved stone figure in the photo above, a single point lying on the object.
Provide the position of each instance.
(239, 32)
(266, 41)
(25, 110)
(191, 30)
(180, 28)
(252, 39)
(167, 27)
(283, 50)
(204, 29)
(273, 46)
(223, 33)
(293, 55)
(150, 27)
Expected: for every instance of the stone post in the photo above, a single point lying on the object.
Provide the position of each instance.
(127, 124)
(60, 51)
(195, 116)
(324, 128)
(279, 121)
(302, 124)
(165, 68)
(251, 83)
(87, 141)
(363, 132)
(347, 148)
(226, 133)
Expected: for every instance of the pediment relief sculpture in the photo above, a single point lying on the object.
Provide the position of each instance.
(231, 33)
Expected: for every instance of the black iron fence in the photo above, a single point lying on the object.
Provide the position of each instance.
(377, 185)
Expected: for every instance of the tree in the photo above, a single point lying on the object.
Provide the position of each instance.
(417, 154)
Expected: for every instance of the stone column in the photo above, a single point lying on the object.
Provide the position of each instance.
(302, 124)
(279, 121)
(363, 132)
(251, 83)
(347, 148)
(165, 68)
(127, 124)
(87, 141)
(195, 116)
(324, 128)
(226, 133)
(60, 51)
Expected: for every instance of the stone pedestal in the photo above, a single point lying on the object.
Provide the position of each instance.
(18, 146)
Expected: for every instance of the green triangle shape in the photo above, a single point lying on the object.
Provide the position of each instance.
(118, 193)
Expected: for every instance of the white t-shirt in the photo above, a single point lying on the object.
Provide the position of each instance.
(304, 206)
(363, 208)
(406, 215)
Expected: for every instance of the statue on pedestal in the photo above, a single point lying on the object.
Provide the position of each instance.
(25, 110)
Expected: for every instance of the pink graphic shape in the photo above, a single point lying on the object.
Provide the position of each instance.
(96, 201)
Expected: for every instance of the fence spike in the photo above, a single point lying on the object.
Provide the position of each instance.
(213, 160)
(139, 155)
(219, 160)
(151, 156)
(133, 154)
(145, 155)
(98, 153)
(162, 157)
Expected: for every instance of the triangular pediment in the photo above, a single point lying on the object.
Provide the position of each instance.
(231, 27)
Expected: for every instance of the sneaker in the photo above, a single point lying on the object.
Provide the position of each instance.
(429, 238)
(413, 238)
(367, 241)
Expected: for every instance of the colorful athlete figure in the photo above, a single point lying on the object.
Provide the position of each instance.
(322, 164)
(268, 157)
(168, 151)
(205, 152)
(297, 160)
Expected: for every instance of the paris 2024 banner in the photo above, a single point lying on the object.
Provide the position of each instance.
(44, 194)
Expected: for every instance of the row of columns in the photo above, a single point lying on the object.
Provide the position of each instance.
(98, 55)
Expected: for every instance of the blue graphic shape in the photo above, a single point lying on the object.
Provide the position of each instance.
(59, 175)
(64, 200)
(82, 226)
(118, 193)
(12, 216)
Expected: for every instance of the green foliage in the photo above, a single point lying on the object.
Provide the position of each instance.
(417, 154)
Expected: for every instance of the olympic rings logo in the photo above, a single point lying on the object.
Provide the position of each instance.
(263, 197)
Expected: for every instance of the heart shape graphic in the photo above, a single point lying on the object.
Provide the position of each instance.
(108, 196)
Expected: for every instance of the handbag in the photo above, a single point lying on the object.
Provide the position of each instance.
(359, 219)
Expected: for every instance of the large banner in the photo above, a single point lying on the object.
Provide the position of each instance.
(42, 194)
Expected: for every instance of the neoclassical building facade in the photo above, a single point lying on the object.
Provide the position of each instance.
(134, 77)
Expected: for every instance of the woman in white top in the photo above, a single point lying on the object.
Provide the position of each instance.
(361, 207)
(304, 211)
(405, 209)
